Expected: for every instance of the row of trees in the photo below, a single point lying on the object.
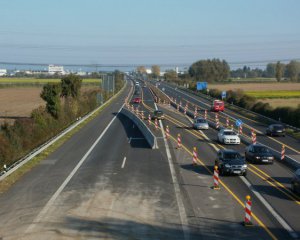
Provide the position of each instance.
(273, 70)
(65, 102)
(216, 70)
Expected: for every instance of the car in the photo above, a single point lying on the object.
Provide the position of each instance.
(257, 153)
(231, 162)
(200, 123)
(228, 136)
(158, 114)
(275, 130)
(295, 183)
(137, 100)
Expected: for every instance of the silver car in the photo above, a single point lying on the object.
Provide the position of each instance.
(200, 123)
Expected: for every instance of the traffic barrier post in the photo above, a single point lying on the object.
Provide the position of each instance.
(216, 178)
(195, 156)
(248, 212)
(167, 132)
(282, 152)
(178, 141)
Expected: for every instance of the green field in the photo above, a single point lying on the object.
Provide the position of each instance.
(40, 80)
(274, 94)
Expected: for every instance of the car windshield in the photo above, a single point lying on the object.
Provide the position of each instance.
(158, 112)
(201, 121)
(278, 127)
(261, 150)
(230, 156)
(229, 133)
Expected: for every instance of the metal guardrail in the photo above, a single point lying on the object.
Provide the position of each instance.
(10, 169)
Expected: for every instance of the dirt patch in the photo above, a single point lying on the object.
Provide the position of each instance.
(279, 102)
(256, 86)
(19, 102)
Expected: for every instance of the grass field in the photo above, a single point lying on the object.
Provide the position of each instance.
(257, 87)
(279, 102)
(274, 94)
(40, 80)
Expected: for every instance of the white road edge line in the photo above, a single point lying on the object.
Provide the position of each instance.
(182, 212)
(123, 164)
(46, 208)
(273, 212)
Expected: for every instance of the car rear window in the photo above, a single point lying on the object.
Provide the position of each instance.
(201, 121)
(229, 133)
(232, 156)
(261, 150)
(278, 127)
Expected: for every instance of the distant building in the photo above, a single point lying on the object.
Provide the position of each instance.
(3, 72)
(52, 69)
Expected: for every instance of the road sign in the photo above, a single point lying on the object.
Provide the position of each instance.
(201, 85)
(238, 122)
(223, 95)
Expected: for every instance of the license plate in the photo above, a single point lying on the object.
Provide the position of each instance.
(265, 160)
(237, 172)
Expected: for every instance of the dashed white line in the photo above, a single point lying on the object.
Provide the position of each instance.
(124, 161)
(51, 201)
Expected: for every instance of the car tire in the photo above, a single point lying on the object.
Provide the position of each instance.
(245, 174)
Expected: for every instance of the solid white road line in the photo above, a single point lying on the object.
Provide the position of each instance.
(272, 211)
(181, 209)
(50, 203)
(123, 164)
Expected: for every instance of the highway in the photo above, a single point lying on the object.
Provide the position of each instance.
(105, 182)
(272, 182)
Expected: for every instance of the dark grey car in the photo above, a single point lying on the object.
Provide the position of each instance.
(231, 162)
(275, 130)
(256, 153)
(295, 183)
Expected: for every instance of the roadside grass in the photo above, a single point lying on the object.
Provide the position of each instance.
(259, 79)
(274, 94)
(7, 182)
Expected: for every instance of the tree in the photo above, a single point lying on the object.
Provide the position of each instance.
(271, 70)
(209, 70)
(70, 86)
(293, 70)
(141, 69)
(170, 75)
(155, 71)
(279, 71)
(50, 94)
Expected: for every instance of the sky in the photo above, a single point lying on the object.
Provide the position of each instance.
(141, 32)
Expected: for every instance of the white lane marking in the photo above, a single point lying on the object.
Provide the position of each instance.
(51, 201)
(129, 140)
(123, 164)
(182, 213)
(212, 198)
(283, 223)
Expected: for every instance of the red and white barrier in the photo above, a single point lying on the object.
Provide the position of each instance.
(156, 124)
(195, 113)
(178, 141)
(248, 212)
(253, 136)
(216, 178)
(195, 156)
(282, 152)
(167, 132)
(205, 114)
(149, 119)
(227, 122)
(185, 109)
(241, 130)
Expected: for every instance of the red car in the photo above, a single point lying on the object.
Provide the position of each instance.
(137, 100)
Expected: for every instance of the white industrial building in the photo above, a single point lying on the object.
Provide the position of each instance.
(53, 69)
(3, 72)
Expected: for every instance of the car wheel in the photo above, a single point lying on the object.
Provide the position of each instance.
(245, 174)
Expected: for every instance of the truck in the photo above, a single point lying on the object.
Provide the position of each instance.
(217, 106)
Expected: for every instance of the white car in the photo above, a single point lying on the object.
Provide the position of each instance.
(228, 136)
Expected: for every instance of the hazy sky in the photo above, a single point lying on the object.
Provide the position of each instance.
(148, 31)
